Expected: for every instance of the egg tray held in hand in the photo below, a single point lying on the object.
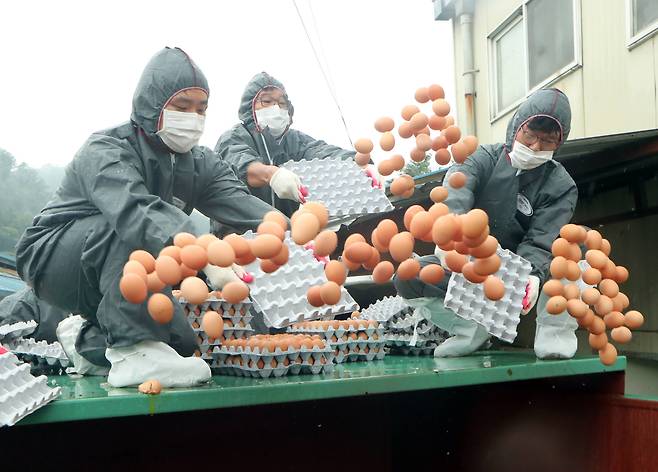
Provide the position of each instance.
(17, 330)
(44, 357)
(501, 317)
(281, 295)
(20, 392)
(352, 340)
(242, 360)
(341, 186)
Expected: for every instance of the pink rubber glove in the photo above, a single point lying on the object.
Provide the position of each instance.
(371, 176)
(246, 277)
(323, 259)
(531, 294)
(303, 193)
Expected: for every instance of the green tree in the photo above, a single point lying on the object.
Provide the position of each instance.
(418, 168)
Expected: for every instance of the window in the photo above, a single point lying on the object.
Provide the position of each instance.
(535, 46)
(642, 20)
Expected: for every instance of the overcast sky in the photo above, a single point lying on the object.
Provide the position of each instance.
(69, 68)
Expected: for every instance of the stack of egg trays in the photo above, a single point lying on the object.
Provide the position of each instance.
(237, 322)
(44, 357)
(385, 309)
(281, 295)
(248, 362)
(341, 186)
(20, 392)
(501, 317)
(360, 343)
(17, 330)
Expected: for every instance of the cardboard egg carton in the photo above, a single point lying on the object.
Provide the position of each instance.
(17, 330)
(45, 357)
(386, 308)
(281, 295)
(501, 317)
(20, 392)
(341, 186)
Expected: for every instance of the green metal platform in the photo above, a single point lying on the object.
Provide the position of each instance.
(86, 398)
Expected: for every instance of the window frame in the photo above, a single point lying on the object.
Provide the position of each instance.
(521, 14)
(634, 40)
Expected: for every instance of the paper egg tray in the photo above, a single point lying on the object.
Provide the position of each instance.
(281, 295)
(501, 317)
(246, 362)
(385, 309)
(20, 392)
(17, 330)
(350, 344)
(341, 186)
(44, 357)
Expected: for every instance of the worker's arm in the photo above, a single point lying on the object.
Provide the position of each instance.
(477, 169)
(234, 148)
(300, 146)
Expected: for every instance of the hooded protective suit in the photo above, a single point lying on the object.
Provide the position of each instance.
(125, 190)
(246, 143)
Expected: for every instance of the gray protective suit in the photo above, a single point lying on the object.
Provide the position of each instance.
(246, 143)
(122, 192)
(526, 211)
(25, 306)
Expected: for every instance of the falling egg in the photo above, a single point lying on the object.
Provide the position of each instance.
(313, 296)
(603, 305)
(590, 296)
(362, 159)
(556, 305)
(387, 229)
(184, 239)
(409, 111)
(553, 288)
(205, 239)
(486, 249)
(457, 180)
(438, 194)
(633, 319)
(577, 308)
(573, 271)
(621, 274)
(605, 247)
(409, 214)
(558, 267)
(363, 145)
(421, 224)
(621, 334)
(194, 290)
(239, 244)
(212, 324)
(276, 217)
(134, 267)
(383, 272)
(396, 162)
(598, 341)
(487, 266)
(423, 143)
(468, 271)
(452, 134)
(608, 355)
(571, 291)
(187, 272)
(305, 228)
(133, 288)
(455, 261)
(320, 212)
(330, 293)
(435, 92)
(401, 246)
(432, 274)
(609, 288)
(399, 186)
(266, 246)
(144, 258)
(443, 229)
(494, 289)
(325, 243)
(438, 210)
(436, 123)
(621, 302)
(160, 308)
(418, 121)
(422, 95)
(471, 143)
(591, 276)
(168, 270)
(573, 233)
(374, 259)
(596, 258)
(417, 155)
(473, 243)
(153, 283)
(614, 319)
(593, 239)
(610, 270)
(354, 238)
(439, 142)
(405, 131)
(475, 223)
(268, 266)
(459, 152)
(271, 227)
(193, 256)
(442, 157)
(336, 271)
(385, 167)
(587, 320)
(440, 107)
(560, 247)
(408, 269)
(387, 141)
(235, 292)
(384, 124)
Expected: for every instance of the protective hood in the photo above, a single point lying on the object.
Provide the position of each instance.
(168, 72)
(257, 83)
(546, 102)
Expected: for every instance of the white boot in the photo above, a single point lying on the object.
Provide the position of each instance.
(555, 335)
(148, 360)
(67, 333)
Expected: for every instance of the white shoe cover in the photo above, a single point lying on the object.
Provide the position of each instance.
(148, 360)
(67, 333)
(555, 335)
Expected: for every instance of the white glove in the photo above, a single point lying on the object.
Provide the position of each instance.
(220, 276)
(441, 254)
(286, 184)
(531, 294)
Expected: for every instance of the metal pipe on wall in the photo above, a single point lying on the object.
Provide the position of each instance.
(468, 73)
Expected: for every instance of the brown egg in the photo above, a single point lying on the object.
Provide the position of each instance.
(319, 210)
(240, 245)
(409, 111)
(396, 162)
(462, 248)
(553, 288)
(450, 120)
(556, 305)
(614, 319)
(194, 290)
(577, 308)
(455, 261)
(313, 296)
(266, 246)
(436, 123)
(384, 124)
(587, 320)
(276, 217)
(435, 92)
(362, 159)
(596, 259)
(452, 134)
(421, 224)
(442, 157)
(560, 247)
(358, 252)
(363, 145)
(439, 194)
(443, 229)
(633, 319)
(609, 288)
(269, 266)
(330, 293)
(573, 271)
(622, 335)
(486, 249)
(271, 227)
(487, 266)
(477, 242)
(609, 271)
(606, 248)
(591, 276)
(608, 355)
(387, 141)
(375, 238)
(459, 152)
(417, 155)
(593, 239)
(468, 270)
(383, 272)
(401, 246)
(168, 270)
(418, 121)
(386, 229)
(559, 267)
(620, 302)
(471, 143)
(409, 214)
(245, 260)
(133, 288)
(438, 210)
(405, 131)
(422, 95)
(305, 228)
(193, 256)
(574, 254)
(160, 308)
(432, 274)
(457, 180)
(475, 222)
(385, 167)
(212, 324)
(235, 292)
(621, 274)
(144, 258)
(603, 306)
(591, 296)
(184, 239)
(153, 283)
(573, 233)
(354, 238)
(423, 143)
(598, 341)
(571, 291)
(408, 269)
(205, 239)
(375, 257)
(494, 289)
(336, 271)
(134, 267)
(399, 186)
(325, 243)
(187, 272)
(440, 107)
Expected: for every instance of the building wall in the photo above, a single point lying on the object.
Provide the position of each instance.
(613, 92)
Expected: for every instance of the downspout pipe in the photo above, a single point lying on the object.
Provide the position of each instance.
(468, 74)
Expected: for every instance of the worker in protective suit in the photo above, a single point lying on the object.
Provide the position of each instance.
(132, 187)
(263, 141)
(528, 197)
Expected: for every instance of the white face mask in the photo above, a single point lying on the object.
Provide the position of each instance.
(181, 131)
(274, 118)
(524, 158)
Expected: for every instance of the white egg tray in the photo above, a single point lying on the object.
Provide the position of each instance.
(341, 186)
(244, 361)
(235, 312)
(18, 329)
(501, 317)
(385, 309)
(40, 353)
(20, 392)
(281, 295)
